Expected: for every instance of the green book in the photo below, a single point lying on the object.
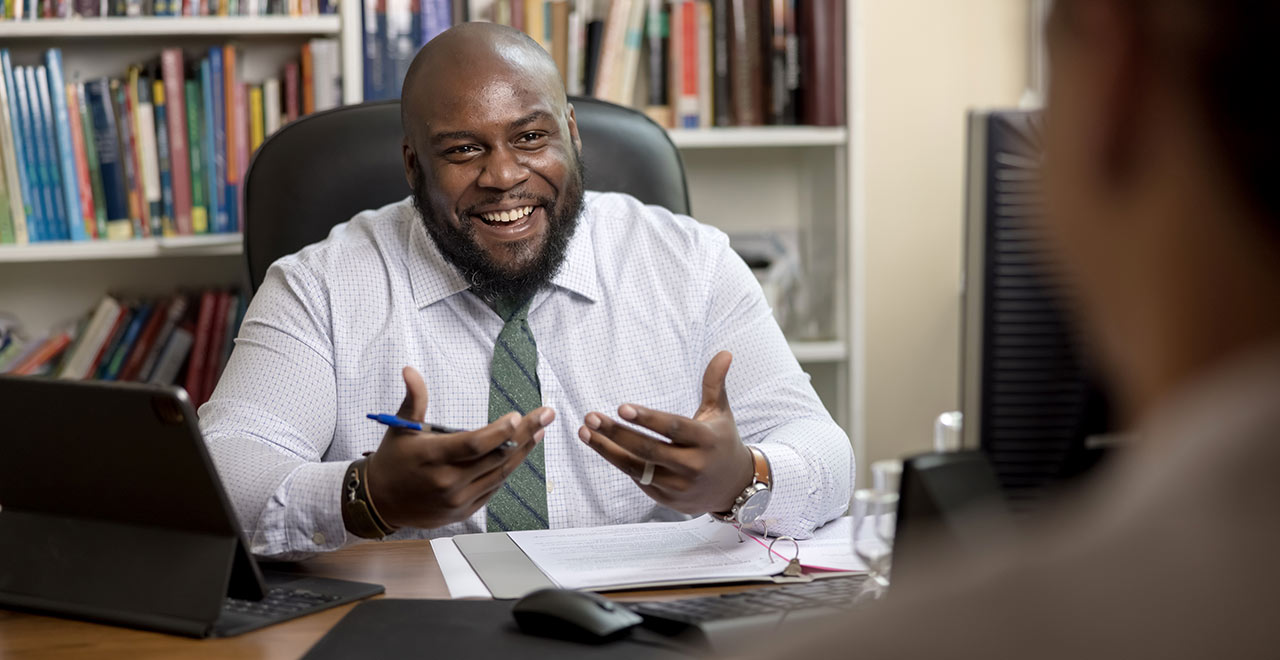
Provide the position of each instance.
(91, 155)
(195, 131)
(6, 214)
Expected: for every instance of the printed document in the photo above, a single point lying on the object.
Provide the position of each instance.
(698, 549)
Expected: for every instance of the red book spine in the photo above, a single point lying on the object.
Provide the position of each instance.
(179, 158)
(138, 193)
(308, 81)
(200, 349)
(47, 351)
(229, 85)
(688, 100)
(291, 90)
(217, 333)
(82, 160)
(143, 346)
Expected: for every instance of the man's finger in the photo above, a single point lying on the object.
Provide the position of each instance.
(526, 437)
(469, 445)
(680, 430)
(414, 405)
(641, 446)
(488, 482)
(630, 464)
(715, 395)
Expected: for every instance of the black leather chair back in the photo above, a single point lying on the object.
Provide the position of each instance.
(324, 168)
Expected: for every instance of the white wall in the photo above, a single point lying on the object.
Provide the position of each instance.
(922, 65)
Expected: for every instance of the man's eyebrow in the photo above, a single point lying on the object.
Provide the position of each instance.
(536, 115)
(453, 135)
(530, 118)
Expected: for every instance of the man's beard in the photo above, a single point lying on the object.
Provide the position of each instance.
(489, 281)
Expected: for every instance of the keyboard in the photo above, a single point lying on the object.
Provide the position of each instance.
(280, 604)
(718, 620)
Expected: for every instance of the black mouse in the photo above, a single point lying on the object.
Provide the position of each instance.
(578, 616)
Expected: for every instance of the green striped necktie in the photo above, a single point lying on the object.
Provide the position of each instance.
(521, 503)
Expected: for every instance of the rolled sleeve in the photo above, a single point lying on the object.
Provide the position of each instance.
(775, 405)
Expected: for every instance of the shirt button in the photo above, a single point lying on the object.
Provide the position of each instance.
(551, 486)
(318, 538)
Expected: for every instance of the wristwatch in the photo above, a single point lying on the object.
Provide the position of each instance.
(754, 499)
(358, 512)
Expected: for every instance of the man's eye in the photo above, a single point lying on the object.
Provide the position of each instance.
(464, 149)
(531, 137)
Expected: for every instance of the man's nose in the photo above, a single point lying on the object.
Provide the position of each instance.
(503, 170)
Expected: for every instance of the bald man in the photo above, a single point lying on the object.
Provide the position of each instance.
(1160, 150)
(581, 342)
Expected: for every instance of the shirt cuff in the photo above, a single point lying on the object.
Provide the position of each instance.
(304, 516)
(791, 494)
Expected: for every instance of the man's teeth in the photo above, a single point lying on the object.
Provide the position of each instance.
(507, 216)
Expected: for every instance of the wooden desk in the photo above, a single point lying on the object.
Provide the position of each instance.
(407, 568)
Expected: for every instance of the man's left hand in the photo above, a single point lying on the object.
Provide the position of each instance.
(704, 467)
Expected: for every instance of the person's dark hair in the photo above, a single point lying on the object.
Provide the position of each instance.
(1227, 51)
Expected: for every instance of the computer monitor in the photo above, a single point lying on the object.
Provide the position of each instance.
(1030, 395)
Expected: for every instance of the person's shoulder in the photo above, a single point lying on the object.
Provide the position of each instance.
(356, 247)
(620, 222)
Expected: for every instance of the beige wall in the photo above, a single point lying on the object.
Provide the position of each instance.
(923, 64)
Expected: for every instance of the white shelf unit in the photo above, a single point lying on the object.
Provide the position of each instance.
(793, 178)
(171, 26)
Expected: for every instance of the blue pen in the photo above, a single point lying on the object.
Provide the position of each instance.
(402, 423)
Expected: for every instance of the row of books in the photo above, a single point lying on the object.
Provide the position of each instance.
(160, 151)
(30, 10)
(184, 339)
(687, 63)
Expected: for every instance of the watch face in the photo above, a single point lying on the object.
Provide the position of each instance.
(754, 507)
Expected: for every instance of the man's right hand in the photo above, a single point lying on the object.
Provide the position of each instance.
(427, 480)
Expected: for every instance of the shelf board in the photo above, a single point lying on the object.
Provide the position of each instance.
(759, 136)
(170, 26)
(819, 351)
(140, 248)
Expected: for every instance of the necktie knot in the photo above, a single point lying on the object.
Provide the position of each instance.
(512, 309)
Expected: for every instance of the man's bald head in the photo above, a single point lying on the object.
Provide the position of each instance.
(468, 55)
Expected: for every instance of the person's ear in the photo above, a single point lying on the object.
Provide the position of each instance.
(573, 129)
(1111, 48)
(411, 164)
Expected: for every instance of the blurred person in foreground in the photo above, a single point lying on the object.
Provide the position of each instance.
(1162, 139)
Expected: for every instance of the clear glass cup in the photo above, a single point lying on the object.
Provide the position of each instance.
(874, 516)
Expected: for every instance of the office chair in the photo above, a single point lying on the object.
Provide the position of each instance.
(323, 169)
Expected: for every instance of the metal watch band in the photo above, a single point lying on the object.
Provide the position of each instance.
(361, 516)
(761, 479)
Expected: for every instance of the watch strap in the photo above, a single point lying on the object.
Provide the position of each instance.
(358, 511)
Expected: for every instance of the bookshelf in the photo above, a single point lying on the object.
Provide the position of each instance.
(772, 178)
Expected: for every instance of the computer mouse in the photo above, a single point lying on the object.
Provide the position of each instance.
(578, 616)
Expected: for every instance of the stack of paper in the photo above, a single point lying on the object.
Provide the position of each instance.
(698, 550)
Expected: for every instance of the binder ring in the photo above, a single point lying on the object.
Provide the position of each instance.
(793, 542)
(647, 477)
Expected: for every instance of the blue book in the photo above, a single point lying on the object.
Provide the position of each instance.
(221, 212)
(107, 143)
(161, 105)
(49, 150)
(128, 342)
(24, 83)
(206, 148)
(19, 145)
(66, 152)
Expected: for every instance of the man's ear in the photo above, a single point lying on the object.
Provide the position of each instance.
(1114, 39)
(573, 129)
(411, 164)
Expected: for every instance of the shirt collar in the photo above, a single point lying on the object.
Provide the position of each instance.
(433, 278)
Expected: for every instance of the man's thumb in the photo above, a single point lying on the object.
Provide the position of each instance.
(414, 406)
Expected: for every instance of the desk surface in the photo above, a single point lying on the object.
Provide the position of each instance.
(407, 568)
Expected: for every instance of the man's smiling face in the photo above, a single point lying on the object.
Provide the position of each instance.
(491, 149)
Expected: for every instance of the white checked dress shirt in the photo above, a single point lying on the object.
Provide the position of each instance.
(643, 301)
